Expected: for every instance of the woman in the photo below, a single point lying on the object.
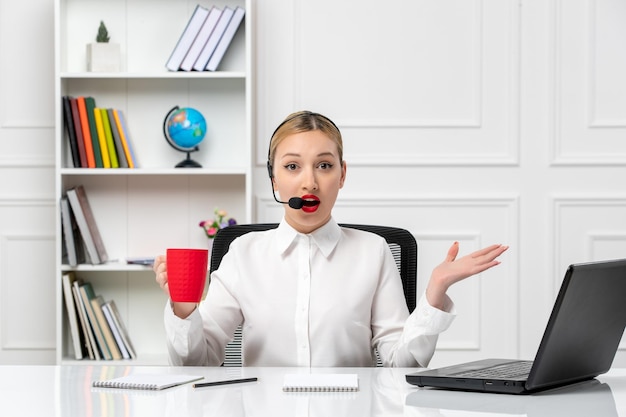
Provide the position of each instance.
(311, 293)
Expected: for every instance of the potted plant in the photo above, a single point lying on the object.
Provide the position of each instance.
(102, 55)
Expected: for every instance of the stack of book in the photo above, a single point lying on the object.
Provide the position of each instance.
(205, 39)
(81, 236)
(96, 326)
(98, 137)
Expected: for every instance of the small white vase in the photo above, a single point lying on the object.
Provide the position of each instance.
(103, 57)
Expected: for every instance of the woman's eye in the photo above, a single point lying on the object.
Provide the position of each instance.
(325, 165)
(291, 167)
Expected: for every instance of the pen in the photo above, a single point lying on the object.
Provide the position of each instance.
(229, 381)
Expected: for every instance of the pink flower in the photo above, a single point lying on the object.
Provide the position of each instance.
(211, 227)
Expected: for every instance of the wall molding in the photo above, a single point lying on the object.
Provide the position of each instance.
(6, 315)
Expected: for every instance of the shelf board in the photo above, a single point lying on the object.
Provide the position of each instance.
(108, 266)
(152, 171)
(155, 75)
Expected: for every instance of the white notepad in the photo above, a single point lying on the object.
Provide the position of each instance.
(321, 383)
(146, 381)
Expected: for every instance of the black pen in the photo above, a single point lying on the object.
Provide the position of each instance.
(226, 382)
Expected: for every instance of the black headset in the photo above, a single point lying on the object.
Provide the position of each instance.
(305, 113)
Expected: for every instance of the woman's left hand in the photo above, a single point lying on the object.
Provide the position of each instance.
(453, 270)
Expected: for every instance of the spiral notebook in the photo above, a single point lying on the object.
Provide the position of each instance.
(321, 383)
(152, 382)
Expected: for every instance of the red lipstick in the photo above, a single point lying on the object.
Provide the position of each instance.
(311, 203)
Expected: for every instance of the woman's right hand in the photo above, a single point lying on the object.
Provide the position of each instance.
(159, 267)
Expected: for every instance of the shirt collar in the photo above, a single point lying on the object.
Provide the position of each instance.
(325, 238)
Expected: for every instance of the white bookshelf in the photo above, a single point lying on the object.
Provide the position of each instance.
(142, 211)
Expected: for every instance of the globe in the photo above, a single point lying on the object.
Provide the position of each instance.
(184, 128)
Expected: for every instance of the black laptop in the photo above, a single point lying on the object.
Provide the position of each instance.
(579, 343)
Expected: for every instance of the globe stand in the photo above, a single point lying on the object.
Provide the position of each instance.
(187, 162)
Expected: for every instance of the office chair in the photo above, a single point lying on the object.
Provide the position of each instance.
(401, 242)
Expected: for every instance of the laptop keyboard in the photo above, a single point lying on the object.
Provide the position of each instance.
(505, 371)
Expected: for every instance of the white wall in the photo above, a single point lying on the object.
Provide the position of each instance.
(479, 121)
(494, 121)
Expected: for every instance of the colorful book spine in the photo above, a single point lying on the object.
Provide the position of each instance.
(84, 124)
(78, 130)
(109, 138)
(69, 127)
(72, 315)
(90, 339)
(87, 294)
(102, 140)
(121, 157)
(117, 114)
(87, 224)
(90, 104)
(109, 339)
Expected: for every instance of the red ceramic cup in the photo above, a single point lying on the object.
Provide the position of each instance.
(186, 273)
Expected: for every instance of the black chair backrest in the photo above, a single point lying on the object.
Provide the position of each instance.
(401, 242)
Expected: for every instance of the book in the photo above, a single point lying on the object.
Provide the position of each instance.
(87, 225)
(115, 329)
(102, 140)
(68, 279)
(78, 131)
(69, 128)
(90, 104)
(89, 338)
(201, 40)
(127, 137)
(140, 260)
(84, 124)
(117, 318)
(190, 32)
(124, 138)
(96, 303)
(146, 381)
(321, 383)
(226, 39)
(87, 294)
(71, 235)
(106, 124)
(211, 44)
(117, 140)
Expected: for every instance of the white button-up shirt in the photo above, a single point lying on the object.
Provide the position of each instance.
(329, 298)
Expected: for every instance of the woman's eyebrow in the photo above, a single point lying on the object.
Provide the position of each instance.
(295, 154)
(326, 154)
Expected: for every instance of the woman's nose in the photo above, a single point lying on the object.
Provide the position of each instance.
(309, 181)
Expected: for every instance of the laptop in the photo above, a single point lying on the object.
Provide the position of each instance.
(579, 343)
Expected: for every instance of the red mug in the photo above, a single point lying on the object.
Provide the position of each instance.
(186, 273)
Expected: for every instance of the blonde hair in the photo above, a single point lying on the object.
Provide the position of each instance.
(303, 121)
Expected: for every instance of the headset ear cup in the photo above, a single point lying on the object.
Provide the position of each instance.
(269, 170)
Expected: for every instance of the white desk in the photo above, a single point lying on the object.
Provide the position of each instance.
(66, 391)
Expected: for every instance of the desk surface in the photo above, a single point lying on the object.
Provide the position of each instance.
(38, 390)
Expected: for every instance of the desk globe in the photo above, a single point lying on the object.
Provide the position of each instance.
(184, 129)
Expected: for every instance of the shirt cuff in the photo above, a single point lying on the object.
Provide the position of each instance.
(178, 330)
(432, 320)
